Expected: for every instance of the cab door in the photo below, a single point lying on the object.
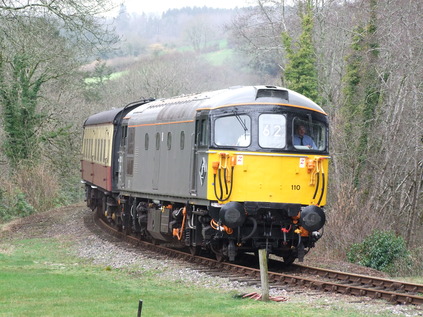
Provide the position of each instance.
(200, 156)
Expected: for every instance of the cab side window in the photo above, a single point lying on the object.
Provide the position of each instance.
(309, 134)
(202, 133)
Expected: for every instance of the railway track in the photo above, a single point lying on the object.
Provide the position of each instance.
(298, 275)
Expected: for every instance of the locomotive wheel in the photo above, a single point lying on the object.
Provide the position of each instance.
(119, 226)
(99, 212)
(126, 230)
(219, 252)
(220, 257)
(289, 258)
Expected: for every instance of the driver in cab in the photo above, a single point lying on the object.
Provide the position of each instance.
(302, 139)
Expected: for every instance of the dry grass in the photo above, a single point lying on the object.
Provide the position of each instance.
(346, 222)
(32, 186)
(40, 186)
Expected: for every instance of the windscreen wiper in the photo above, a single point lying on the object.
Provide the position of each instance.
(242, 123)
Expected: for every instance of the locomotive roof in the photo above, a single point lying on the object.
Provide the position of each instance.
(184, 107)
(109, 116)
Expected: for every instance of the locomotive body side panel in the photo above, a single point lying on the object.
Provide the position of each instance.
(162, 159)
(165, 159)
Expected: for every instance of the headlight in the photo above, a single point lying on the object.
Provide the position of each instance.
(312, 218)
(232, 214)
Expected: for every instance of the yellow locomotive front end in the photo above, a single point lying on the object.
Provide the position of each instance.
(267, 177)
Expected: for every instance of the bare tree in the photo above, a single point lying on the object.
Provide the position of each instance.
(390, 194)
(173, 74)
(199, 32)
(257, 32)
(81, 19)
(42, 44)
(398, 192)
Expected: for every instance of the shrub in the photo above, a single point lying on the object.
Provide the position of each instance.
(39, 184)
(382, 250)
(12, 206)
(38, 188)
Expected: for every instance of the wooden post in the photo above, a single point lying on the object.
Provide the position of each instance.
(264, 274)
(139, 308)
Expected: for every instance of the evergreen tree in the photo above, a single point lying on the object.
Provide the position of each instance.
(18, 96)
(362, 94)
(300, 71)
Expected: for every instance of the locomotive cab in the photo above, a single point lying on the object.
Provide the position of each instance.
(268, 178)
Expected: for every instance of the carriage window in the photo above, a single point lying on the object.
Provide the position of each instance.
(233, 131)
(182, 144)
(309, 134)
(90, 147)
(146, 141)
(157, 141)
(97, 149)
(102, 148)
(272, 131)
(169, 140)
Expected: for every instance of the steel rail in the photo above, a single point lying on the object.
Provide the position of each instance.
(387, 284)
(349, 283)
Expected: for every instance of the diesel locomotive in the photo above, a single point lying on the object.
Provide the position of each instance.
(227, 171)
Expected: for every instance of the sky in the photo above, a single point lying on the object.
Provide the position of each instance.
(159, 6)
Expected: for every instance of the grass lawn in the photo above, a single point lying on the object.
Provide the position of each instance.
(218, 58)
(41, 277)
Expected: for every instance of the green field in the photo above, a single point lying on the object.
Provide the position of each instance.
(95, 80)
(42, 277)
(218, 58)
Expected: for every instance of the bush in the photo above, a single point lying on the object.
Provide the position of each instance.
(39, 184)
(12, 206)
(382, 250)
(28, 189)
